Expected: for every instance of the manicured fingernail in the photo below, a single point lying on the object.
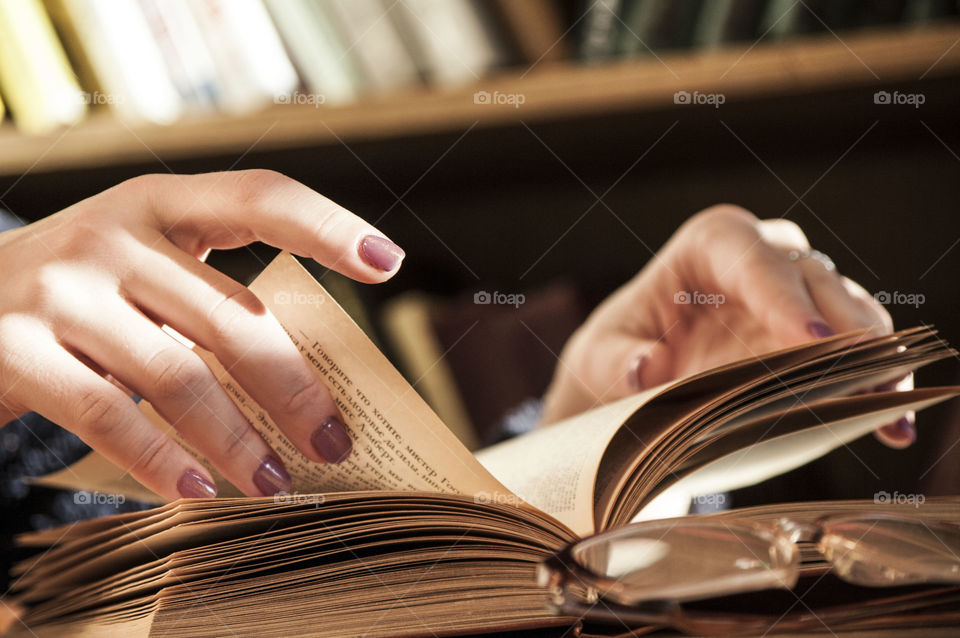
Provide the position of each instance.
(193, 484)
(271, 477)
(636, 370)
(381, 253)
(901, 433)
(331, 441)
(907, 427)
(820, 330)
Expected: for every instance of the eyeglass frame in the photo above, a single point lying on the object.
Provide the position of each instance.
(561, 568)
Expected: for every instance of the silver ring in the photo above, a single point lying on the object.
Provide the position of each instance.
(797, 255)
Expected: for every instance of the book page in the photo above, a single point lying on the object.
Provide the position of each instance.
(774, 453)
(398, 442)
(555, 468)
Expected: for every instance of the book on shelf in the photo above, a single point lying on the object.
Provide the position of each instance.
(187, 58)
(450, 40)
(252, 64)
(123, 65)
(35, 76)
(371, 37)
(536, 29)
(413, 534)
(322, 60)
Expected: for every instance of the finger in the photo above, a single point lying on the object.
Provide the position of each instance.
(227, 319)
(235, 208)
(747, 259)
(59, 387)
(903, 432)
(185, 393)
(842, 310)
(617, 364)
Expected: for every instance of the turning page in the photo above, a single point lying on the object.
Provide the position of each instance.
(399, 443)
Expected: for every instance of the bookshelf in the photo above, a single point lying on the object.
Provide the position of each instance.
(881, 57)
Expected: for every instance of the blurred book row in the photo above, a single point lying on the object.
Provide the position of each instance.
(158, 60)
(624, 28)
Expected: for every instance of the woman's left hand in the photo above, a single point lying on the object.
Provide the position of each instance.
(726, 286)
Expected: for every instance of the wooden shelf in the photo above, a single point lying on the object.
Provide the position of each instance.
(881, 57)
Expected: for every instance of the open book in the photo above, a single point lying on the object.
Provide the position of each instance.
(414, 534)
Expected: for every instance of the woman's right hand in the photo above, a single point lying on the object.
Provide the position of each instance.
(83, 294)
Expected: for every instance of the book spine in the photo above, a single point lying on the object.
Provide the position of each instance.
(536, 29)
(449, 40)
(322, 63)
(374, 42)
(125, 59)
(602, 23)
(187, 57)
(35, 75)
(251, 62)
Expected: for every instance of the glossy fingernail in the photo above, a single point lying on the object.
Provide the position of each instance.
(381, 253)
(331, 441)
(271, 477)
(193, 484)
(636, 370)
(820, 330)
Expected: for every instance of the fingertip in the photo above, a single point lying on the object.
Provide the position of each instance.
(380, 254)
(649, 367)
(898, 435)
(196, 484)
(818, 329)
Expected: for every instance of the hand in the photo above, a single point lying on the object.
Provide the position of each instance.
(751, 298)
(84, 293)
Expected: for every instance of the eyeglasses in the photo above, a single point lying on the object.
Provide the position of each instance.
(642, 573)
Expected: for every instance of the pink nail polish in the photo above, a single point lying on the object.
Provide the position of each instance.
(820, 330)
(271, 477)
(636, 370)
(331, 441)
(193, 484)
(380, 252)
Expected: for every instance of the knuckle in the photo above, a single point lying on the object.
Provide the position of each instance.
(154, 458)
(251, 187)
(227, 317)
(307, 391)
(100, 416)
(720, 215)
(240, 441)
(141, 185)
(331, 217)
(175, 376)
